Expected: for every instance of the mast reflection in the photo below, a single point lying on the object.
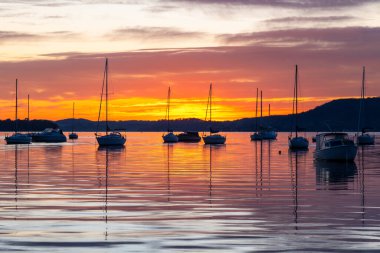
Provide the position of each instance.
(16, 177)
(294, 157)
(362, 181)
(169, 151)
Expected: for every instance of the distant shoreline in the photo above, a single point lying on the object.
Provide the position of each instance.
(337, 115)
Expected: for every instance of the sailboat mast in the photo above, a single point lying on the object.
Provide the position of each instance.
(210, 102)
(296, 96)
(363, 83)
(16, 126)
(257, 104)
(261, 107)
(269, 110)
(28, 115)
(106, 96)
(362, 92)
(72, 125)
(168, 109)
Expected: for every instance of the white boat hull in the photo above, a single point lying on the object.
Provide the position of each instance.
(111, 140)
(298, 143)
(18, 139)
(214, 139)
(366, 139)
(339, 153)
(170, 138)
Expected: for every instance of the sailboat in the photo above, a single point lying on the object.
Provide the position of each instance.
(263, 133)
(18, 138)
(256, 136)
(169, 137)
(297, 142)
(364, 138)
(268, 132)
(214, 137)
(110, 138)
(73, 135)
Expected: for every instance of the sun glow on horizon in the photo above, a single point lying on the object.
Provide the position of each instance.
(154, 108)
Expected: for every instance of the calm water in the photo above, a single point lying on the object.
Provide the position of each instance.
(152, 197)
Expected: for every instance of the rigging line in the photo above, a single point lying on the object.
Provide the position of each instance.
(168, 109)
(293, 101)
(296, 105)
(257, 103)
(101, 100)
(361, 99)
(208, 102)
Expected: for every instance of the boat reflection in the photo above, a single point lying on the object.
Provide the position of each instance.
(109, 154)
(214, 151)
(333, 175)
(262, 158)
(361, 180)
(108, 149)
(106, 195)
(295, 161)
(169, 152)
(16, 177)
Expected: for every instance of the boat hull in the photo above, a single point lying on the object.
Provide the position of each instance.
(339, 153)
(214, 139)
(298, 143)
(188, 137)
(49, 138)
(269, 135)
(18, 139)
(111, 140)
(366, 139)
(264, 135)
(256, 137)
(170, 138)
(73, 136)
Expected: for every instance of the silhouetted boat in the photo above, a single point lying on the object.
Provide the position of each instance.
(190, 136)
(256, 136)
(113, 138)
(297, 142)
(262, 132)
(17, 138)
(73, 135)
(335, 146)
(52, 135)
(170, 137)
(214, 137)
(364, 138)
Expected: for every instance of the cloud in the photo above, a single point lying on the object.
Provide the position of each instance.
(319, 19)
(6, 36)
(299, 4)
(48, 3)
(13, 36)
(322, 37)
(236, 71)
(153, 33)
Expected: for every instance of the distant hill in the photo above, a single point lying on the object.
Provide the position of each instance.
(337, 115)
(24, 125)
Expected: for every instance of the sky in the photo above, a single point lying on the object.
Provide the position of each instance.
(57, 50)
